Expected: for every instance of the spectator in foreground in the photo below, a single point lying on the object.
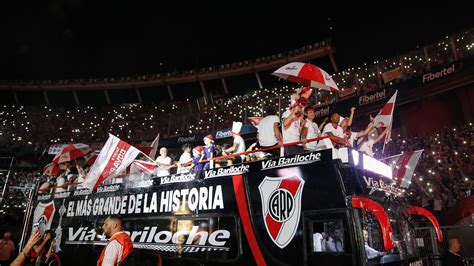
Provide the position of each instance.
(25, 255)
(7, 249)
(452, 256)
(119, 246)
(43, 250)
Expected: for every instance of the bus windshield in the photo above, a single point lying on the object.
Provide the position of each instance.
(402, 236)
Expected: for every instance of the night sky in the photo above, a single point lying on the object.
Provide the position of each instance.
(75, 38)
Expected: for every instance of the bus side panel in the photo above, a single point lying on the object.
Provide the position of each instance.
(196, 221)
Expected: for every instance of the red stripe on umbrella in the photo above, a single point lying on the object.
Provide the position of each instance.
(51, 169)
(90, 158)
(72, 152)
(307, 75)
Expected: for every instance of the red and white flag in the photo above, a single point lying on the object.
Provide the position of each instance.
(403, 166)
(139, 166)
(114, 158)
(384, 117)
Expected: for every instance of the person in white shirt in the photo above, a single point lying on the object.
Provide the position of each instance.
(238, 145)
(164, 163)
(81, 177)
(60, 182)
(317, 241)
(310, 130)
(291, 128)
(345, 122)
(185, 160)
(269, 134)
(368, 144)
(332, 130)
(369, 251)
(335, 241)
(353, 136)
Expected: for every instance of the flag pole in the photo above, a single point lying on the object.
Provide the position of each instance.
(387, 158)
(389, 131)
(148, 157)
(154, 146)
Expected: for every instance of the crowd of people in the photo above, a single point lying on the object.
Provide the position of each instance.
(445, 172)
(16, 190)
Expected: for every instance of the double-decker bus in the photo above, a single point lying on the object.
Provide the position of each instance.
(307, 209)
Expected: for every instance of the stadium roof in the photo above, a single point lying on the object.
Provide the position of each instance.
(76, 39)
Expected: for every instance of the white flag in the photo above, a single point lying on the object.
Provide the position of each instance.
(115, 157)
(403, 166)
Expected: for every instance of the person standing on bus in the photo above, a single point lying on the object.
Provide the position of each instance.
(185, 160)
(332, 130)
(269, 134)
(345, 122)
(238, 146)
(291, 128)
(60, 182)
(164, 162)
(368, 145)
(353, 136)
(209, 151)
(119, 246)
(197, 157)
(310, 130)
